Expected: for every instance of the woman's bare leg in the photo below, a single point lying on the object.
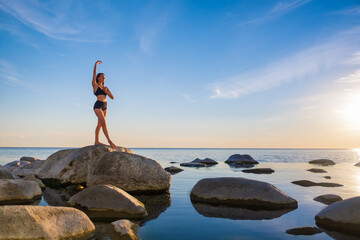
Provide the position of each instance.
(97, 133)
(101, 118)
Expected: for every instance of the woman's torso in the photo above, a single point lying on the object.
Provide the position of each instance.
(101, 94)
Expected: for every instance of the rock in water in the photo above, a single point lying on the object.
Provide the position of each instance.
(129, 172)
(193, 164)
(206, 161)
(107, 202)
(18, 191)
(173, 170)
(259, 171)
(40, 222)
(126, 229)
(342, 216)
(307, 183)
(71, 166)
(322, 162)
(304, 231)
(328, 199)
(357, 164)
(241, 192)
(241, 159)
(316, 170)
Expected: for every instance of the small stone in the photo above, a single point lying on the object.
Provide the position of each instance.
(328, 198)
(259, 171)
(126, 229)
(304, 231)
(322, 162)
(327, 177)
(192, 164)
(173, 170)
(316, 170)
(174, 162)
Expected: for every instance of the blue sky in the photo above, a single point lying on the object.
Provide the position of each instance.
(183, 73)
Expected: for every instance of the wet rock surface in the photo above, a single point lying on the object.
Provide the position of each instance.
(328, 198)
(206, 161)
(44, 222)
(6, 173)
(241, 161)
(304, 231)
(193, 164)
(32, 168)
(126, 229)
(241, 192)
(259, 171)
(316, 170)
(306, 183)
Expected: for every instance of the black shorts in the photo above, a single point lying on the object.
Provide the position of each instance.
(101, 105)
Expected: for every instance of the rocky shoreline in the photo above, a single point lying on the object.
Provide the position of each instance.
(98, 183)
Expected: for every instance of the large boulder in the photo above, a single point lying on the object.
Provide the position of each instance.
(18, 191)
(241, 192)
(129, 172)
(33, 168)
(6, 173)
(71, 166)
(322, 162)
(343, 216)
(107, 202)
(44, 222)
(15, 164)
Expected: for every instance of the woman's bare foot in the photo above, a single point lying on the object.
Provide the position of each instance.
(99, 143)
(112, 145)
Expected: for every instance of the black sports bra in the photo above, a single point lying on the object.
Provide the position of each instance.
(99, 91)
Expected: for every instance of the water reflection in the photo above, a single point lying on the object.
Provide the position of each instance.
(237, 212)
(154, 204)
(340, 235)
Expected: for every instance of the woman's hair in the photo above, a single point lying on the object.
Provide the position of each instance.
(98, 75)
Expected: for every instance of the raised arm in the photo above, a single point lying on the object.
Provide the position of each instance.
(94, 74)
(107, 91)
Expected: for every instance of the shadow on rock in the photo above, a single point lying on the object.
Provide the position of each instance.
(154, 204)
(340, 235)
(237, 213)
(61, 196)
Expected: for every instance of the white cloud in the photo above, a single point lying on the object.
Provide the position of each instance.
(57, 21)
(187, 98)
(338, 51)
(352, 78)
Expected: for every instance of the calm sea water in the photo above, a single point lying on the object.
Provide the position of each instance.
(178, 218)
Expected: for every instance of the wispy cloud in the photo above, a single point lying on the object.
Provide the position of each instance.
(351, 78)
(155, 19)
(9, 76)
(279, 9)
(57, 20)
(336, 52)
(187, 98)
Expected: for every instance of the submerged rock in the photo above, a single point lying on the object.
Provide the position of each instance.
(322, 162)
(238, 213)
(327, 177)
(316, 170)
(304, 231)
(241, 192)
(126, 229)
(328, 198)
(358, 164)
(18, 191)
(206, 161)
(154, 205)
(259, 171)
(173, 170)
(44, 222)
(129, 172)
(107, 202)
(193, 164)
(306, 183)
(341, 216)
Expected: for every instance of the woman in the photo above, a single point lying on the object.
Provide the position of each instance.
(100, 107)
